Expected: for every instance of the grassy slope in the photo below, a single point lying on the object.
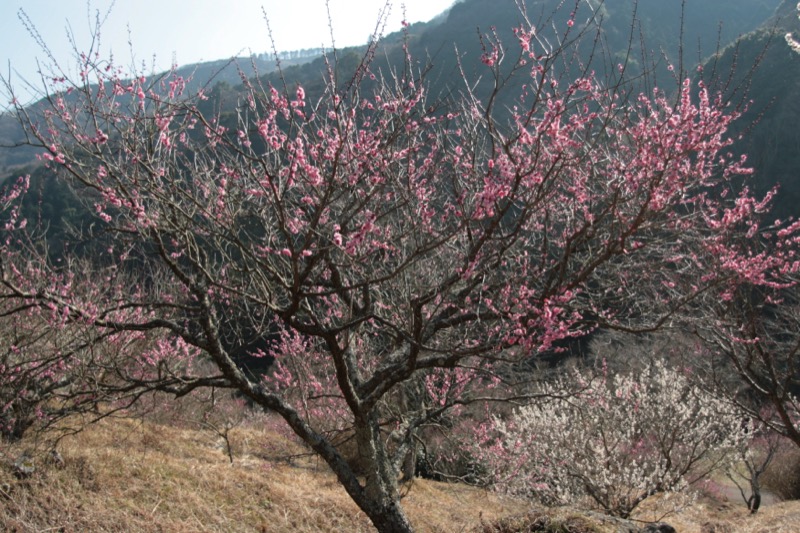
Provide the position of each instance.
(127, 475)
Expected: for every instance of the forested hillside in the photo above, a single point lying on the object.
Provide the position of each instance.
(648, 36)
(772, 139)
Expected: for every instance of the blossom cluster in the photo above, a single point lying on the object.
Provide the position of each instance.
(616, 441)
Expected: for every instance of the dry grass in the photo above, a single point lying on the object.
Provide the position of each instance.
(126, 475)
(142, 476)
(722, 512)
(733, 517)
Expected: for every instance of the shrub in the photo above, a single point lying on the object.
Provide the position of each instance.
(538, 522)
(782, 477)
(614, 440)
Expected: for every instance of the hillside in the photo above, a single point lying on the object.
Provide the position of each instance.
(396, 269)
(148, 476)
(647, 47)
(210, 76)
(772, 139)
(705, 25)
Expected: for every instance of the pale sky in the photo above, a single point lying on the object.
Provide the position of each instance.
(191, 30)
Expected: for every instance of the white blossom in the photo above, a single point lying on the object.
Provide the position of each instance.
(618, 441)
(793, 43)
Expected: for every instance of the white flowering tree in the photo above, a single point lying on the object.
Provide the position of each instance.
(618, 441)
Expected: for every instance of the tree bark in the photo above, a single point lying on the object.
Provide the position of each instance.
(381, 501)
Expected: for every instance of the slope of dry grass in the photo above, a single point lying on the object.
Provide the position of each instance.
(126, 475)
(134, 475)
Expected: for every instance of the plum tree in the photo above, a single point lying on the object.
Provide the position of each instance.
(617, 439)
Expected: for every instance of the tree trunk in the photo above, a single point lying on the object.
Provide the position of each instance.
(378, 496)
(381, 501)
(754, 502)
(409, 469)
(388, 518)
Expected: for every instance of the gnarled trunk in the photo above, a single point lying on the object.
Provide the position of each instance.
(381, 499)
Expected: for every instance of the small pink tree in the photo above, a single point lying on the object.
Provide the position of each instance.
(396, 244)
(54, 362)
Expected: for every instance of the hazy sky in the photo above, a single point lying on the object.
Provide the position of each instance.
(190, 30)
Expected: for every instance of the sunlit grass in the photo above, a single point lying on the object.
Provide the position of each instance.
(133, 475)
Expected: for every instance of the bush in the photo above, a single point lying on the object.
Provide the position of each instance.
(537, 522)
(782, 477)
(613, 440)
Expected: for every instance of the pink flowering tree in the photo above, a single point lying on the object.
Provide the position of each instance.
(55, 363)
(399, 255)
